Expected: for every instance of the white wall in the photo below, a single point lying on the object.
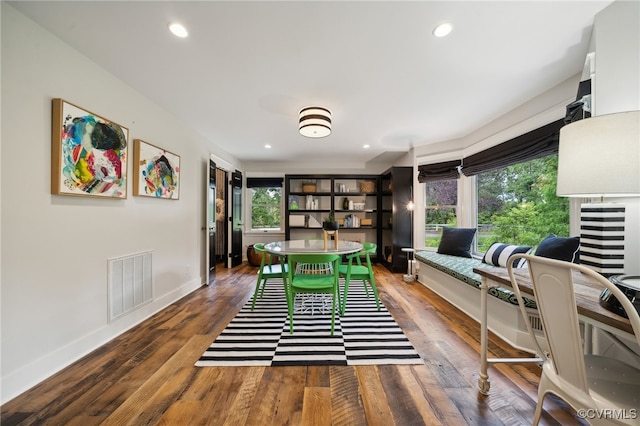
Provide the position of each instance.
(55, 248)
(617, 89)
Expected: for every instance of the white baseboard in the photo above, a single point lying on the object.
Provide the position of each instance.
(31, 374)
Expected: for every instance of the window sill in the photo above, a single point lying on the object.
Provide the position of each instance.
(263, 231)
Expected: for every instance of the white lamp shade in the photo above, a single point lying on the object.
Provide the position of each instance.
(600, 156)
(315, 122)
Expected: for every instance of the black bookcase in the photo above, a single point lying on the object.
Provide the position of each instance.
(395, 219)
(311, 198)
(380, 203)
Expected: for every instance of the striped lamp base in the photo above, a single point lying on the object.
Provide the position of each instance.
(602, 237)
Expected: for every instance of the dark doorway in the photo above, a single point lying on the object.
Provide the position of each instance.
(236, 218)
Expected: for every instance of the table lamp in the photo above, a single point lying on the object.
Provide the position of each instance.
(600, 157)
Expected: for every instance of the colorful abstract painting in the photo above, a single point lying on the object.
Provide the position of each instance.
(88, 153)
(156, 171)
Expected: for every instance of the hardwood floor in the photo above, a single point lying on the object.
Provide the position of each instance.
(147, 376)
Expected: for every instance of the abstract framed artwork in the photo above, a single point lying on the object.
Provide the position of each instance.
(156, 171)
(88, 153)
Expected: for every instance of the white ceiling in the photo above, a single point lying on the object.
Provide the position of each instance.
(248, 67)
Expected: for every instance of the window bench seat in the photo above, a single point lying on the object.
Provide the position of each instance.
(452, 278)
(462, 269)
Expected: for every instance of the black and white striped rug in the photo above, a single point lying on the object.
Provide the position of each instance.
(363, 336)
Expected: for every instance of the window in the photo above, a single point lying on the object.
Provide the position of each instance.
(515, 191)
(441, 198)
(518, 204)
(265, 203)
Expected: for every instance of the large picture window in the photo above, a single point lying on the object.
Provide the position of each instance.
(441, 199)
(515, 198)
(518, 204)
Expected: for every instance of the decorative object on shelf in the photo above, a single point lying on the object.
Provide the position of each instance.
(367, 186)
(309, 186)
(598, 157)
(345, 203)
(293, 202)
(358, 206)
(310, 203)
(352, 221)
(314, 122)
(156, 171)
(88, 153)
(297, 220)
(366, 222)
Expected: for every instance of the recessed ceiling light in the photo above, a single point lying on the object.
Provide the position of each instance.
(178, 30)
(267, 146)
(366, 146)
(442, 29)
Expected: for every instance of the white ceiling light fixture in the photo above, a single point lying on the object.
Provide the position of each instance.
(178, 30)
(315, 122)
(442, 30)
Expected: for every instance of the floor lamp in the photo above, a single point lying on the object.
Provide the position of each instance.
(410, 275)
(598, 157)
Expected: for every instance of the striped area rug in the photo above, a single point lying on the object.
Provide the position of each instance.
(362, 336)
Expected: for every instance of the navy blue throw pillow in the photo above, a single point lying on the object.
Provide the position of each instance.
(560, 248)
(456, 241)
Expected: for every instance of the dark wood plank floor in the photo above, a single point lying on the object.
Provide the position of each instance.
(147, 375)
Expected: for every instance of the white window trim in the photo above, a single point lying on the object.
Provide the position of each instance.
(248, 230)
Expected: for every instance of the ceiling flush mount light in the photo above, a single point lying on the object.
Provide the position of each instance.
(178, 30)
(442, 30)
(315, 122)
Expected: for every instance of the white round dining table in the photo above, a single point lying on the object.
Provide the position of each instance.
(311, 247)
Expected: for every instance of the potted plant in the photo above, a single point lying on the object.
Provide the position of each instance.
(329, 223)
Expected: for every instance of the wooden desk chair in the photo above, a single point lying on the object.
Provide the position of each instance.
(586, 382)
(319, 282)
(354, 269)
(268, 270)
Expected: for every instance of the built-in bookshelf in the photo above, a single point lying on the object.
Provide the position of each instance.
(369, 208)
(352, 198)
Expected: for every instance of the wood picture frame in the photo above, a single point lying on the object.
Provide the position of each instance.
(156, 171)
(88, 153)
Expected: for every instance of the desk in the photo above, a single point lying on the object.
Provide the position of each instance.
(589, 311)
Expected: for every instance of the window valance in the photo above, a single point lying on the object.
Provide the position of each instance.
(537, 143)
(272, 182)
(438, 171)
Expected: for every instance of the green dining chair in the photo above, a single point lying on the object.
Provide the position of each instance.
(355, 270)
(321, 281)
(268, 270)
